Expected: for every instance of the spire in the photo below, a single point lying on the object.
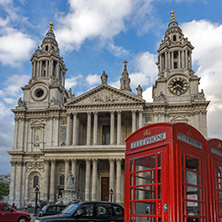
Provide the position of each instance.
(50, 33)
(173, 22)
(172, 15)
(125, 66)
(125, 80)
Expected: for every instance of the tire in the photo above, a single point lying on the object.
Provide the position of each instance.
(22, 219)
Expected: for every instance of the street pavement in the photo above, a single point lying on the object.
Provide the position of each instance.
(32, 217)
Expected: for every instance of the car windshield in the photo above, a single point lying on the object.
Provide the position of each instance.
(70, 209)
(44, 208)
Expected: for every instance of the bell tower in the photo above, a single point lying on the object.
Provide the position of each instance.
(176, 95)
(176, 79)
(46, 87)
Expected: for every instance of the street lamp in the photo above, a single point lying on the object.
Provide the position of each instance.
(111, 194)
(36, 199)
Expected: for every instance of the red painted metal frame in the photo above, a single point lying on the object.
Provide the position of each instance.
(175, 141)
(215, 160)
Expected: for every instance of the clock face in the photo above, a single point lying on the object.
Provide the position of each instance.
(178, 86)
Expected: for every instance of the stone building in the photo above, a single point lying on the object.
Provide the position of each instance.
(56, 132)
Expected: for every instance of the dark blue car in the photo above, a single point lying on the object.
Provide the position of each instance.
(93, 211)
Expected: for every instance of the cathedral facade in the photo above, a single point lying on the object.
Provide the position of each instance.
(57, 133)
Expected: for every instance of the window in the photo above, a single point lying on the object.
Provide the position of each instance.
(85, 211)
(5, 207)
(61, 180)
(103, 211)
(35, 181)
(51, 209)
(174, 38)
(46, 48)
(106, 135)
(118, 211)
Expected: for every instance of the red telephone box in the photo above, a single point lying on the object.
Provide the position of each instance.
(214, 147)
(166, 176)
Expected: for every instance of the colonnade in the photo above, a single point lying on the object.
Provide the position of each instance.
(73, 127)
(183, 59)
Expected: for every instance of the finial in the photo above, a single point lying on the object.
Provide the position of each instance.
(51, 26)
(125, 65)
(172, 15)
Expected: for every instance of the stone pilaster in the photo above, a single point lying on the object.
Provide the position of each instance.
(88, 136)
(87, 179)
(94, 180)
(112, 126)
(46, 180)
(119, 124)
(111, 176)
(118, 181)
(52, 181)
(74, 135)
(95, 129)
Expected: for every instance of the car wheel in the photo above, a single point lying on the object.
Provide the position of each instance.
(22, 219)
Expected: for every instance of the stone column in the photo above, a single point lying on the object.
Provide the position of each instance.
(15, 133)
(26, 188)
(172, 59)
(118, 181)
(94, 181)
(95, 128)
(12, 182)
(56, 134)
(66, 171)
(161, 63)
(46, 68)
(26, 135)
(68, 129)
(133, 121)
(37, 71)
(18, 183)
(88, 136)
(74, 135)
(112, 127)
(111, 177)
(179, 52)
(183, 59)
(52, 181)
(46, 180)
(87, 179)
(74, 171)
(118, 127)
(140, 118)
(20, 133)
(40, 69)
(50, 131)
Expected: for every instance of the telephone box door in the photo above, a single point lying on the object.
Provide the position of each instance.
(147, 186)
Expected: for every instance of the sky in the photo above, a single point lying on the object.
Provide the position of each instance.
(98, 35)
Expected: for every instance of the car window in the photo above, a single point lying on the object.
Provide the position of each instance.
(59, 208)
(5, 207)
(118, 211)
(85, 211)
(51, 209)
(103, 211)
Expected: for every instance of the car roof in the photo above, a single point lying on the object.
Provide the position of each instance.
(99, 202)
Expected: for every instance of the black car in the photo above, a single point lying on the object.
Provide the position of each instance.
(93, 211)
(52, 209)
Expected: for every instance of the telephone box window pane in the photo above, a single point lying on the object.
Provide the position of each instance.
(192, 178)
(143, 178)
(192, 163)
(131, 180)
(145, 208)
(145, 163)
(219, 171)
(193, 208)
(131, 165)
(193, 193)
(144, 219)
(131, 208)
(159, 160)
(145, 193)
(193, 219)
(220, 194)
(159, 176)
(131, 194)
(159, 192)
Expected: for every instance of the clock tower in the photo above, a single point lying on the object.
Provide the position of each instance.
(177, 86)
(46, 88)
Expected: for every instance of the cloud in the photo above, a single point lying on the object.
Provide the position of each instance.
(207, 57)
(73, 81)
(117, 51)
(93, 79)
(145, 69)
(88, 19)
(16, 46)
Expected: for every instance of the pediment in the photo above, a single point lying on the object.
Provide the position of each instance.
(37, 124)
(105, 94)
(179, 119)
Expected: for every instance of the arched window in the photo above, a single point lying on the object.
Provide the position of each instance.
(35, 181)
(46, 48)
(61, 180)
(174, 38)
